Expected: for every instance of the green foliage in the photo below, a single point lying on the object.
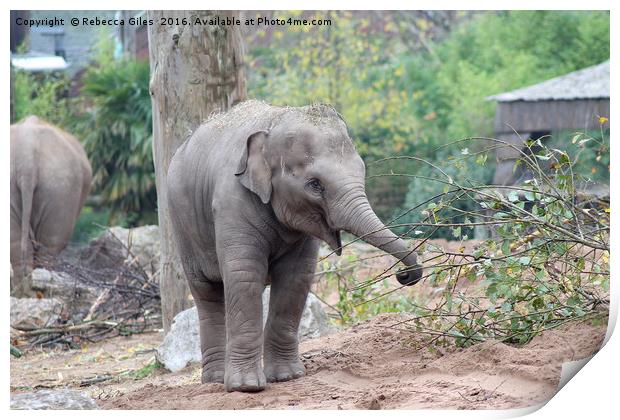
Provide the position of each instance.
(90, 224)
(470, 166)
(146, 370)
(397, 102)
(117, 132)
(492, 53)
(357, 303)
(357, 74)
(546, 264)
(427, 187)
(497, 52)
(590, 152)
(43, 95)
(151, 367)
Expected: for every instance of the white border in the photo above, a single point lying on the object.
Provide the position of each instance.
(591, 395)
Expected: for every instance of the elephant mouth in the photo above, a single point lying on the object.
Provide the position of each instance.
(335, 234)
(331, 236)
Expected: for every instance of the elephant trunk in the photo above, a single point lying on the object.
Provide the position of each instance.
(360, 220)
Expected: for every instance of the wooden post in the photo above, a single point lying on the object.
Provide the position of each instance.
(195, 71)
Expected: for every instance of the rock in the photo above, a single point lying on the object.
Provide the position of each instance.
(314, 321)
(76, 296)
(118, 245)
(30, 313)
(182, 343)
(53, 399)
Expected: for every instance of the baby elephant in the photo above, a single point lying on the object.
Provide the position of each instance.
(251, 193)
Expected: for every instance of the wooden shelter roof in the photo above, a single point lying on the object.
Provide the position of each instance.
(589, 83)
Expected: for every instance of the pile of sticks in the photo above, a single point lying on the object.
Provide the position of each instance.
(127, 302)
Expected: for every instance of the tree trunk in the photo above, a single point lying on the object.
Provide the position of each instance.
(195, 70)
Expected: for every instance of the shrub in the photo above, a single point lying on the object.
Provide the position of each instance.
(43, 95)
(116, 129)
(90, 224)
(547, 262)
(427, 182)
(358, 303)
(358, 75)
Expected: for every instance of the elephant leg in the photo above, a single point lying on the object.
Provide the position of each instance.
(209, 299)
(22, 265)
(291, 278)
(244, 273)
(22, 253)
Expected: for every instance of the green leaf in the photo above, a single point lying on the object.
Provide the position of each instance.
(506, 307)
(564, 159)
(479, 252)
(538, 303)
(481, 159)
(506, 247)
(513, 196)
(491, 292)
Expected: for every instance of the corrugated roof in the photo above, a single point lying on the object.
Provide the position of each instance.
(589, 83)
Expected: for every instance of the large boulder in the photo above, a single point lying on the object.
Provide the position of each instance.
(118, 246)
(53, 399)
(32, 314)
(182, 343)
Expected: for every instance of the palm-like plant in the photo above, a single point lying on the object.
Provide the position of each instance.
(117, 133)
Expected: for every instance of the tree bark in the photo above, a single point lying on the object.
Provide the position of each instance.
(195, 70)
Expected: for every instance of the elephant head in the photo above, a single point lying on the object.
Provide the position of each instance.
(307, 168)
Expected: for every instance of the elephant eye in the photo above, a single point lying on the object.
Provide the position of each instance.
(315, 185)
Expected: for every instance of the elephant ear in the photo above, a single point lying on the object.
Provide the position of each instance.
(254, 172)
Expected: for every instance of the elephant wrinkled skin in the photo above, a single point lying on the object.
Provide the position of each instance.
(50, 179)
(251, 193)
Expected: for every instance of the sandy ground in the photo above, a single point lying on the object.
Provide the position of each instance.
(367, 366)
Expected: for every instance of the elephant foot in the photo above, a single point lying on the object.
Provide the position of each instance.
(245, 380)
(284, 371)
(213, 376)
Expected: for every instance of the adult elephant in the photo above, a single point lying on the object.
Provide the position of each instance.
(50, 179)
(251, 193)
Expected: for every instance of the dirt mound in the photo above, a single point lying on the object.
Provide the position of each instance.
(373, 366)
